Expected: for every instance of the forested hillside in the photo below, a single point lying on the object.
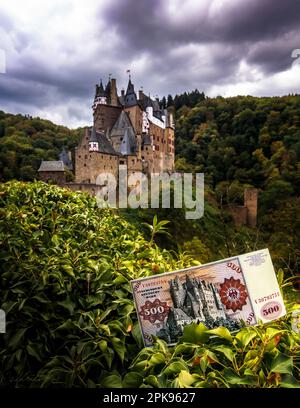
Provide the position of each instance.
(237, 142)
(248, 141)
(25, 141)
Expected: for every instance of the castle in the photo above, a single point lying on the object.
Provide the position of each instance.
(128, 129)
(194, 300)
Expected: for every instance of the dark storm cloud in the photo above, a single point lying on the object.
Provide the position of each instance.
(169, 50)
(147, 26)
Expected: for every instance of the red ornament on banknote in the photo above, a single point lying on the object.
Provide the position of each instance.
(153, 311)
(233, 294)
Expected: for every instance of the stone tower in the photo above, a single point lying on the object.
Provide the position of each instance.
(250, 202)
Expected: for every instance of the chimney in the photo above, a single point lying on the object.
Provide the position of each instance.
(113, 92)
(141, 95)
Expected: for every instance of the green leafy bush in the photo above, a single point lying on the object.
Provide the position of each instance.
(263, 356)
(65, 267)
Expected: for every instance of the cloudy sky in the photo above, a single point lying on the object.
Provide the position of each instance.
(56, 50)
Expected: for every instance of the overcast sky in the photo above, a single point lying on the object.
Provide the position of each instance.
(56, 50)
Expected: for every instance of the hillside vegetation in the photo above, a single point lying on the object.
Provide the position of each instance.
(246, 141)
(26, 141)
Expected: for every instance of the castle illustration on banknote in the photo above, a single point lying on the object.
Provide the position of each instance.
(231, 293)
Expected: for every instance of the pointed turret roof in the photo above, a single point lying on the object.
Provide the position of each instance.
(130, 97)
(130, 88)
(99, 90)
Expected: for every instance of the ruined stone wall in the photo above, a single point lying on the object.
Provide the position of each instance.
(250, 202)
(238, 213)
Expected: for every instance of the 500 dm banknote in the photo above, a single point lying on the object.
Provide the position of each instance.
(231, 292)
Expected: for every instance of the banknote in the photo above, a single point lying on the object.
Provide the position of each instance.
(231, 292)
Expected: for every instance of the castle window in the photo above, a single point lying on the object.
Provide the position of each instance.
(79, 157)
(84, 164)
(93, 146)
(85, 156)
(122, 162)
(132, 161)
(101, 156)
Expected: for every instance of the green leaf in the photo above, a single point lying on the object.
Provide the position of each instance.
(119, 347)
(271, 332)
(288, 381)
(112, 381)
(184, 349)
(120, 279)
(162, 345)
(233, 378)
(33, 352)
(280, 276)
(244, 336)
(132, 380)
(152, 380)
(282, 364)
(221, 332)
(67, 304)
(175, 367)
(195, 333)
(17, 337)
(186, 379)
(228, 353)
(68, 268)
(157, 358)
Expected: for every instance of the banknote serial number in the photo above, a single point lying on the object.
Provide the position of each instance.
(160, 397)
(269, 297)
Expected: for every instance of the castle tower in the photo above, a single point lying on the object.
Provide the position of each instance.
(106, 109)
(100, 96)
(113, 93)
(177, 292)
(250, 202)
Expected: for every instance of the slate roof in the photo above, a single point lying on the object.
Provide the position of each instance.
(130, 97)
(123, 128)
(104, 144)
(99, 90)
(64, 157)
(53, 165)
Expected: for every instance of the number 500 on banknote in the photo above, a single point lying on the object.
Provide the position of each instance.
(231, 292)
